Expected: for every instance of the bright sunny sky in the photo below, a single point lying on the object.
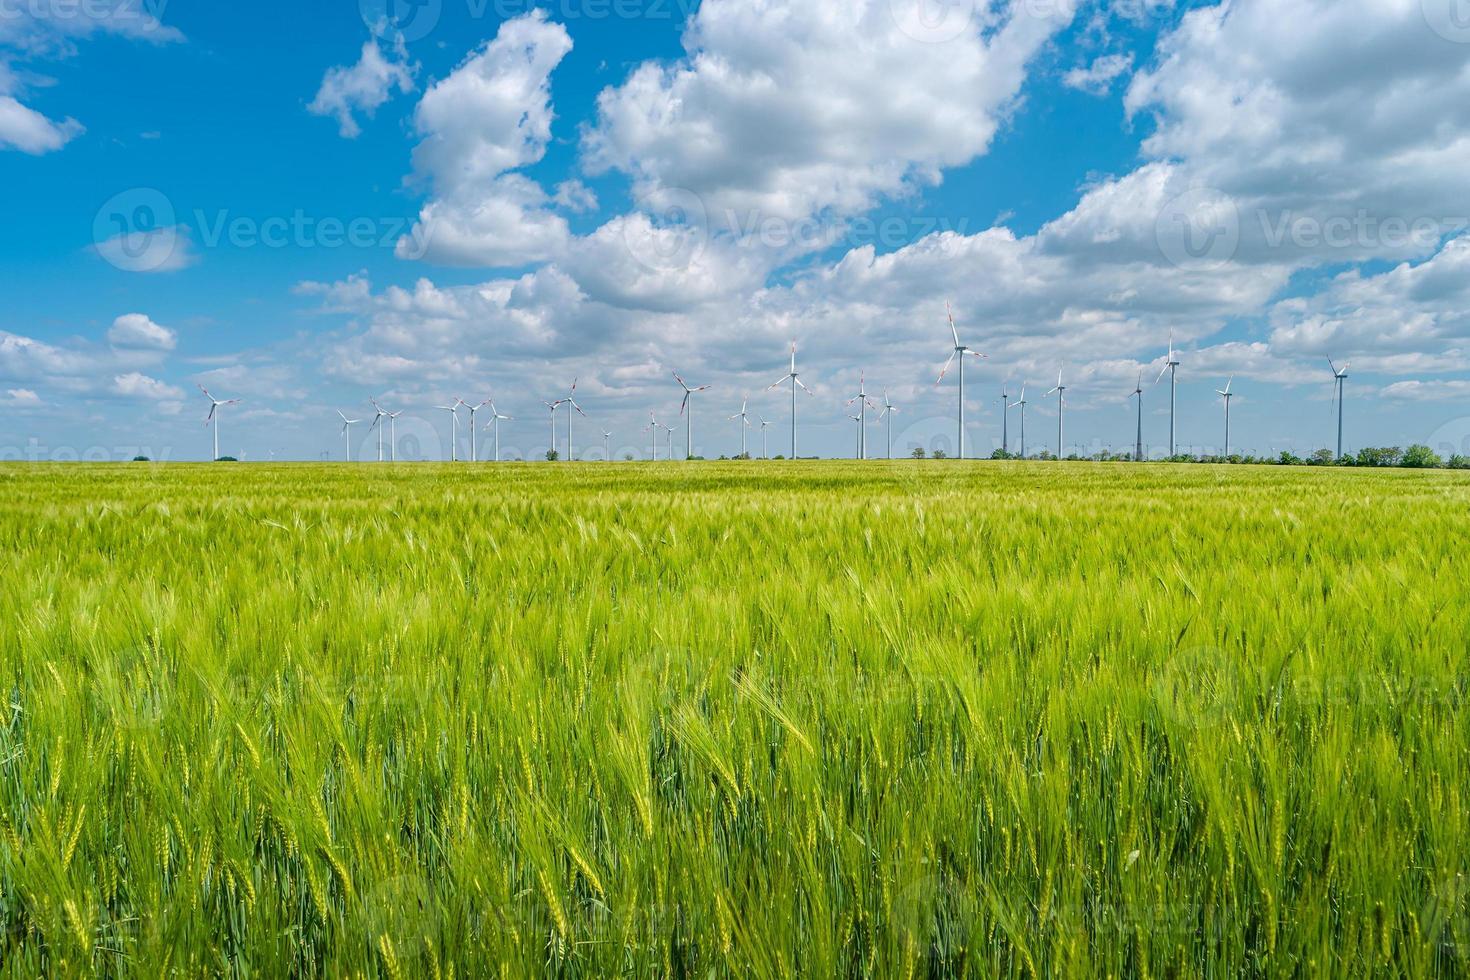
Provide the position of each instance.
(305, 206)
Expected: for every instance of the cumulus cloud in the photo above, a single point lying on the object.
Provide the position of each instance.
(136, 331)
(157, 250)
(492, 115)
(140, 386)
(30, 32)
(1098, 77)
(790, 110)
(28, 131)
(1427, 391)
(363, 87)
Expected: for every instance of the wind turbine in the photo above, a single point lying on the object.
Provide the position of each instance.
(378, 425)
(1171, 367)
(863, 402)
(607, 445)
(1022, 406)
(1339, 380)
(668, 439)
(1061, 392)
(889, 410)
(960, 350)
(1227, 396)
(347, 425)
(744, 417)
(859, 420)
(687, 406)
(474, 451)
(795, 380)
(393, 435)
(453, 411)
(764, 424)
(1005, 418)
(494, 424)
(553, 406)
(1138, 444)
(571, 400)
(214, 406)
(652, 428)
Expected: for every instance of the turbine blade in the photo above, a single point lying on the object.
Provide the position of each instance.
(945, 370)
(955, 332)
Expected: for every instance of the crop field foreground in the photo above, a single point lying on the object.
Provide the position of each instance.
(734, 720)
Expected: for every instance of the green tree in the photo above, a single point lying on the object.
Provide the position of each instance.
(1419, 457)
(918, 452)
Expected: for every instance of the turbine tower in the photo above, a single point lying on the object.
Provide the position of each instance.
(863, 402)
(1021, 404)
(652, 428)
(1171, 367)
(494, 424)
(1339, 381)
(744, 416)
(1061, 392)
(688, 406)
(347, 425)
(474, 450)
(1005, 419)
(453, 411)
(795, 380)
(1138, 443)
(393, 435)
(571, 400)
(214, 406)
(378, 425)
(764, 425)
(607, 445)
(1227, 396)
(960, 350)
(553, 406)
(889, 410)
(860, 433)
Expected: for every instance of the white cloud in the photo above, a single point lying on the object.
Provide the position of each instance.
(28, 131)
(136, 331)
(363, 87)
(140, 386)
(1098, 77)
(167, 249)
(1328, 136)
(490, 116)
(791, 110)
(1427, 391)
(30, 31)
(21, 398)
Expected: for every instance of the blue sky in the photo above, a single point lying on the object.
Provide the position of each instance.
(321, 204)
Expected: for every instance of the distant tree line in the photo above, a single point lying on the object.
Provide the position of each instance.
(1416, 457)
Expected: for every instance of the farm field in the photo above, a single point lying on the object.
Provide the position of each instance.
(744, 719)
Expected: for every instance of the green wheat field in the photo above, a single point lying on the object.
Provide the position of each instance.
(734, 720)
